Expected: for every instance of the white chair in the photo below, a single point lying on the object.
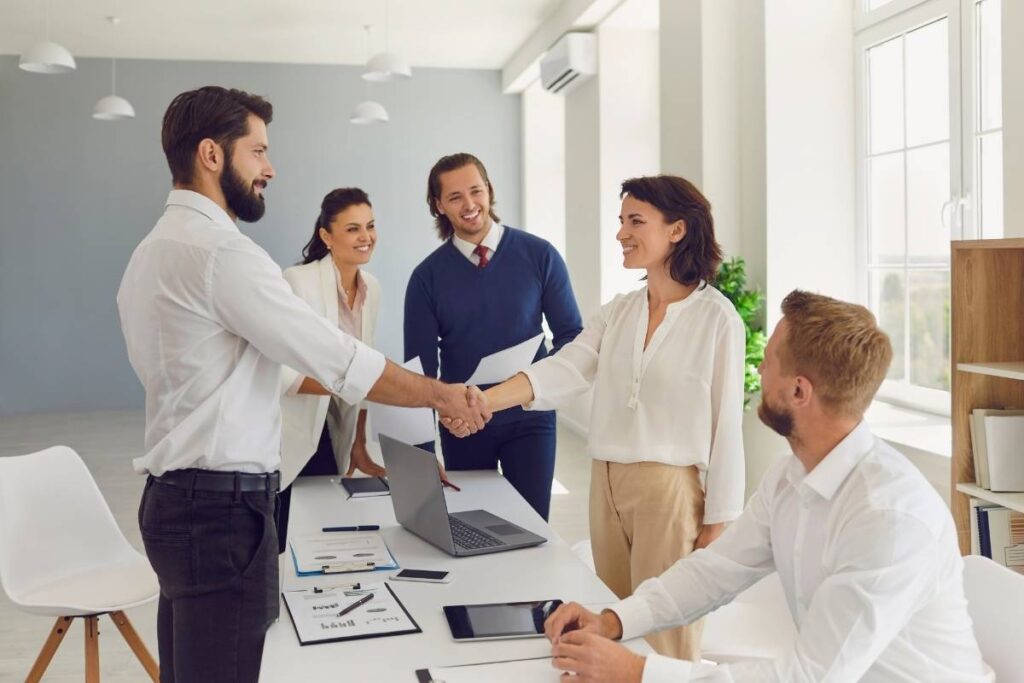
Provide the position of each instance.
(755, 625)
(995, 601)
(62, 554)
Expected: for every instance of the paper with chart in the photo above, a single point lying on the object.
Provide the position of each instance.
(318, 613)
(343, 551)
(499, 366)
(408, 425)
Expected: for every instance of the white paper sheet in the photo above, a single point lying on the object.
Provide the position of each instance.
(522, 671)
(408, 425)
(341, 551)
(316, 620)
(499, 366)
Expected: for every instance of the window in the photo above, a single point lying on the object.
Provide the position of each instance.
(929, 129)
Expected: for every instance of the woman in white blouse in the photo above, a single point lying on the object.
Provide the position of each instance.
(666, 363)
(320, 433)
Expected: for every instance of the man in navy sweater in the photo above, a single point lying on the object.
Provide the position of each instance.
(484, 290)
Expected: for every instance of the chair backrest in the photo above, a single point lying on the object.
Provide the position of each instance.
(995, 600)
(53, 520)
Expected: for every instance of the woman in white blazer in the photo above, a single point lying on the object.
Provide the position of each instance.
(321, 434)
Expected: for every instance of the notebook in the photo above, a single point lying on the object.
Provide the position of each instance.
(366, 487)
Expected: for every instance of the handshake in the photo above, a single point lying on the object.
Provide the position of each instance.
(463, 410)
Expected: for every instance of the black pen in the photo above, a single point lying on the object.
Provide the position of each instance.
(362, 527)
(361, 601)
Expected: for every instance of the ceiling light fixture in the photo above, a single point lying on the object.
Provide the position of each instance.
(112, 107)
(387, 66)
(368, 111)
(47, 57)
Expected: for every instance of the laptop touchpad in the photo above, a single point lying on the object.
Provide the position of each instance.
(505, 529)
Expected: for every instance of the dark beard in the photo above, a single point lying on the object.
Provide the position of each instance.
(241, 199)
(779, 420)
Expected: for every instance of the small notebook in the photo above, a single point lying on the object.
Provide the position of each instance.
(366, 487)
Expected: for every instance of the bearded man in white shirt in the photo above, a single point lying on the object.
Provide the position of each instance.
(865, 548)
(208, 320)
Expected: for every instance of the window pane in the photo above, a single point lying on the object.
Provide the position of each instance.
(990, 184)
(886, 217)
(929, 329)
(927, 191)
(886, 292)
(927, 55)
(885, 94)
(990, 77)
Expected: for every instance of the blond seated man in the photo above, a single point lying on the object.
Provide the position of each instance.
(865, 548)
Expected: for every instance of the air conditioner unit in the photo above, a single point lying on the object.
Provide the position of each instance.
(569, 62)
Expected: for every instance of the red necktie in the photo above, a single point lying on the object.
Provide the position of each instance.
(481, 251)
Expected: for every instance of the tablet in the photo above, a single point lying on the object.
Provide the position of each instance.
(499, 620)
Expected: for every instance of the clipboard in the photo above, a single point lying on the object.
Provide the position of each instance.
(314, 614)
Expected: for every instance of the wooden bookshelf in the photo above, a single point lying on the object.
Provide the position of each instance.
(987, 318)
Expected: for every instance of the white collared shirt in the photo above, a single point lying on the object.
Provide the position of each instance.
(678, 402)
(490, 241)
(208, 319)
(867, 554)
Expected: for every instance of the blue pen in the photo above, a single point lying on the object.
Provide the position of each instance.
(363, 527)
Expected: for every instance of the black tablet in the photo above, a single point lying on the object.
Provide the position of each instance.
(499, 620)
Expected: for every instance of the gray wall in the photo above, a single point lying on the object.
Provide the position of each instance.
(77, 195)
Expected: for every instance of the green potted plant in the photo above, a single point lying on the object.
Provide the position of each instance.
(732, 282)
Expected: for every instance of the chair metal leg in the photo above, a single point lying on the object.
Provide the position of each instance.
(53, 641)
(92, 649)
(124, 625)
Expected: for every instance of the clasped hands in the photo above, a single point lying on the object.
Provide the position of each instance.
(582, 645)
(464, 410)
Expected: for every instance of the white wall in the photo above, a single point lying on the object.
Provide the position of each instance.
(810, 162)
(543, 116)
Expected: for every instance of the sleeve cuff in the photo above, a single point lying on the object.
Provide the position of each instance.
(635, 617)
(363, 372)
(538, 402)
(722, 517)
(659, 669)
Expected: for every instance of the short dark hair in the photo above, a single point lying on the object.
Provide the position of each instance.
(443, 165)
(697, 256)
(334, 203)
(208, 112)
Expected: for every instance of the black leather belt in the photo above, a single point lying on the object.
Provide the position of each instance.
(210, 480)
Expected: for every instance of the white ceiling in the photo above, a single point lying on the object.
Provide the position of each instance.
(479, 34)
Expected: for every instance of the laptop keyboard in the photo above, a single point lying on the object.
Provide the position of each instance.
(469, 537)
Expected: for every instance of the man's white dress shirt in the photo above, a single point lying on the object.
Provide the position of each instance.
(868, 558)
(208, 320)
(678, 402)
(491, 241)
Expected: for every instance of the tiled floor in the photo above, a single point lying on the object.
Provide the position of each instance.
(107, 442)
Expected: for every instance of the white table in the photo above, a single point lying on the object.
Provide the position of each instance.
(547, 571)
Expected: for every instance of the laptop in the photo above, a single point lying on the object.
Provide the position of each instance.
(420, 507)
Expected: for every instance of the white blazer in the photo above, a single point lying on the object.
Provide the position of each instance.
(303, 415)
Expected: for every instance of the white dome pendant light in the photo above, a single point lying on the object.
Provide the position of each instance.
(112, 107)
(387, 66)
(368, 112)
(47, 57)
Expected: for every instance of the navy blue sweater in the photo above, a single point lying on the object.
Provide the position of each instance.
(468, 312)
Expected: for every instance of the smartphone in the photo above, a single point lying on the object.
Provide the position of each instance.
(427, 575)
(499, 620)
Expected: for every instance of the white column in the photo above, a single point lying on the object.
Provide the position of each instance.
(1013, 118)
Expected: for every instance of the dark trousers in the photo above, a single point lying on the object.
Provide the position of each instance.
(525, 449)
(214, 554)
(321, 463)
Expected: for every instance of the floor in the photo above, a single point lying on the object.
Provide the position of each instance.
(107, 442)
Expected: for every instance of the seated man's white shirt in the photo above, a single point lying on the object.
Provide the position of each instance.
(208, 320)
(867, 554)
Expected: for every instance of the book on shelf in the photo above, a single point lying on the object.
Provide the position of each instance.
(996, 438)
(999, 533)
